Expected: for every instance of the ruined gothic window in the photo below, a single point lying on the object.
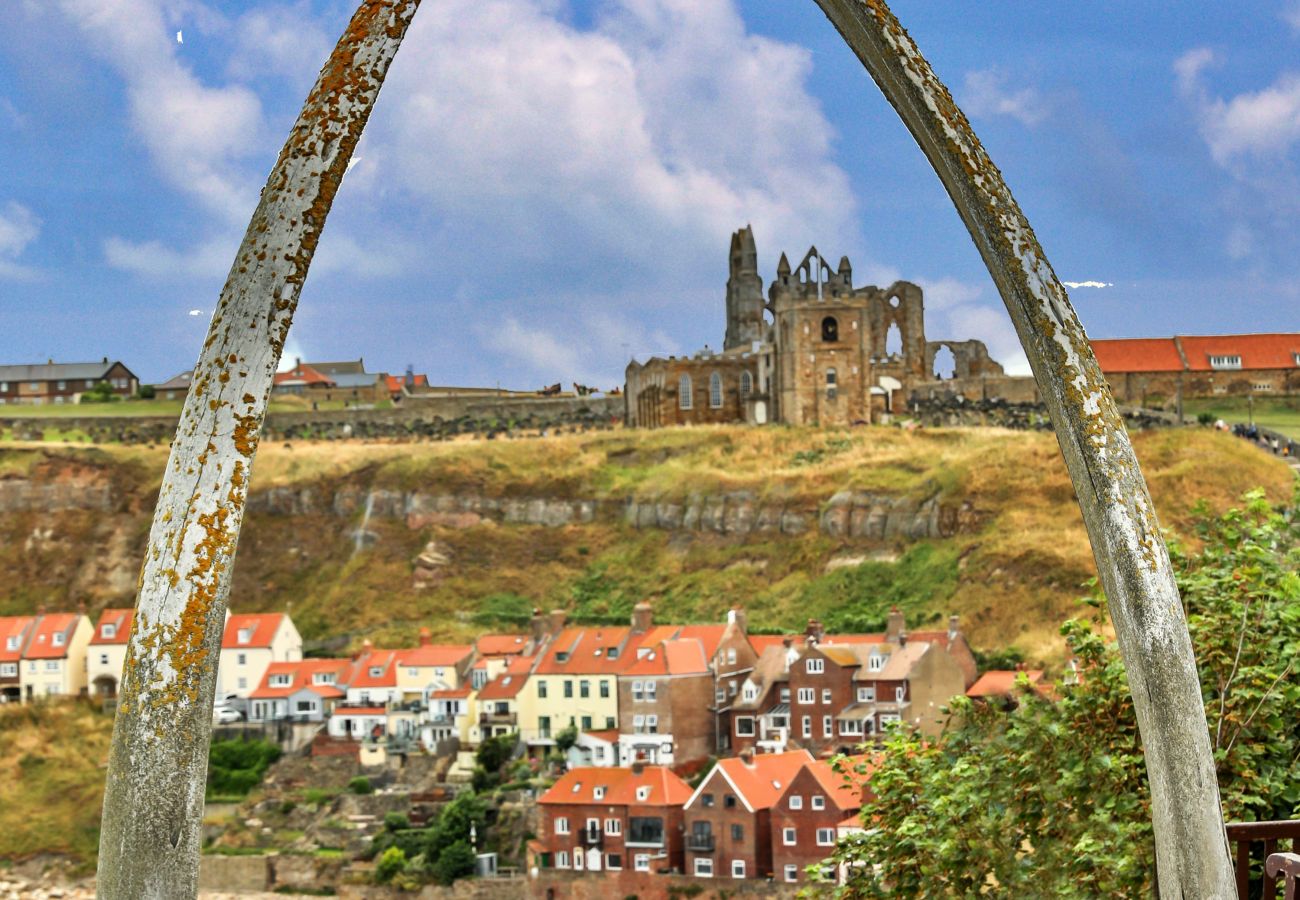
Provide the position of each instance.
(746, 385)
(684, 399)
(830, 329)
(715, 391)
(893, 340)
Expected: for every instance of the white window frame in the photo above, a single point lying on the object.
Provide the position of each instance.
(750, 721)
(638, 691)
(703, 867)
(51, 665)
(562, 825)
(900, 693)
(818, 801)
(651, 691)
(715, 391)
(851, 726)
(828, 726)
(796, 801)
(109, 631)
(791, 872)
(613, 826)
(562, 859)
(867, 694)
(815, 666)
(807, 726)
(598, 792)
(807, 696)
(685, 393)
(875, 662)
(9, 670)
(789, 836)
(641, 862)
(737, 868)
(1228, 361)
(828, 834)
(826, 695)
(59, 638)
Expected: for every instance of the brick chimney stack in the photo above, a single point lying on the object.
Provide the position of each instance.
(747, 756)
(642, 617)
(814, 632)
(426, 637)
(736, 615)
(556, 620)
(537, 625)
(895, 624)
(953, 630)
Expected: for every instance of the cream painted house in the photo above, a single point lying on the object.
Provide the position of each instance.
(106, 653)
(250, 644)
(54, 660)
(431, 667)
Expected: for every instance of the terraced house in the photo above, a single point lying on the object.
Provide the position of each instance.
(54, 658)
(250, 644)
(14, 632)
(106, 654)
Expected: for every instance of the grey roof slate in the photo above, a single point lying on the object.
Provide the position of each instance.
(56, 371)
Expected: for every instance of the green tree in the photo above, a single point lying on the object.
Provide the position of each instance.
(455, 861)
(102, 392)
(236, 767)
(454, 823)
(1052, 799)
(392, 862)
(566, 738)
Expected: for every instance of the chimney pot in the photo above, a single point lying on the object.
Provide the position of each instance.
(747, 756)
(642, 617)
(638, 767)
(425, 637)
(895, 624)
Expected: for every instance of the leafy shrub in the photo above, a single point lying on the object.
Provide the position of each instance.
(503, 609)
(455, 861)
(236, 767)
(360, 785)
(392, 862)
(395, 821)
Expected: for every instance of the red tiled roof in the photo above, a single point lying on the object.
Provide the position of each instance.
(764, 780)
(709, 636)
(303, 374)
(845, 794)
(429, 655)
(674, 657)
(761, 642)
(452, 693)
(41, 644)
(588, 651)
(360, 676)
(578, 786)
(261, 626)
(608, 735)
(1257, 351)
(509, 682)
(17, 627)
(360, 711)
(1001, 682)
(301, 677)
(1137, 355)
(500, 644)
(397, 382)
(121, 618)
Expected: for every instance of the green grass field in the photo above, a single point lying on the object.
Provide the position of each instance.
(1276, 413)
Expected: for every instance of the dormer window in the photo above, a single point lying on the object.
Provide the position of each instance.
(561, 656)
(643, 793)
(1225, 362)
(245, 635)
(598, 793)
(58, 639)
(875, 663)
(11, 642)
(376, 671)
(323, 678)
(611, 653)
(280, 680)
(110, 632)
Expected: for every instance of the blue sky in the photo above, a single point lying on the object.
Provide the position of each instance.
(547, 187)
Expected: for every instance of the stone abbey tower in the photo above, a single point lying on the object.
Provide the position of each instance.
(817, 351)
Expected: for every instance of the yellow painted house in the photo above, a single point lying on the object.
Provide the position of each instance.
(54, 659)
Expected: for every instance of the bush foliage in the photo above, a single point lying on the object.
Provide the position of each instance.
(236, 767)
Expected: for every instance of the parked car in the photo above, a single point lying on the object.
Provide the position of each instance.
(224, 715)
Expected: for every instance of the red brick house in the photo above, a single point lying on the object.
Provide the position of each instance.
(732, 662)
(807, 817)
(664, 701)
(609, 819)
(53, 382)
(728, 819)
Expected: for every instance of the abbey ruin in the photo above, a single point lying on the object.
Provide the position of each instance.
(817, 351)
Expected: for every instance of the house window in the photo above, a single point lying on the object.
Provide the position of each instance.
(322, 678)
(737, 832)
(791, 873)
(720, 696)
(561, 656)
(807, 695)
(650, 688)
(51, 665)
(830, 330)
(643, 794)
(280, 680)
(825, 837)
(641, 862)
(785, 695)
(789, 837)
(1225, 362)
(818, 801)
(828, 726)
(684, 399)
(613, 826)
(899, 693)
(578, 859)
(728, 801)
(376, 671)
(826, 695)
(244, 636)
(568, 689)
(746, 385)
(544, 726)
(58, 639)
(638, 691)
(586, 723)
(11, 643)
(796, 801)
(875, 662)
(9, 670)
(598, 792)
(243, 684)
(707, 800)
(541, 689)
(731, 656)
(110, 632)
(306, 706)
(584, 689)
(604, 689)
(638, 724)
(562, 825)
(652, 724)
(103, 659)
(815, 666)
(715, 391)
(613, 861)
(866, 694)
(832, 389)
(562, 859)
(807, 726)
(413, 673)
(737, 868)
(609, 722)
(703, 867)
(745, 726)
(241, 659)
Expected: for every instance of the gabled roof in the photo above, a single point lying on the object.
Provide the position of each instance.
(342, 367)
(453, 693)
(846, 794)
(672, 657)
(761, 781)
(355, 380)
(1002, 682)
(360, 676)
(121, 619)
(509, 683)
(608, 735)
(434, 655)
(301, 677)
(586, 651)
(1257, 351)
(500, 644)
(1137, 355)
(19, 627)
(53, 371)
(709, 636)
(261, 628)
(901, 662)
(579, 786)
(303, 373)
(41, 645)
(178, 382)
(397, 382)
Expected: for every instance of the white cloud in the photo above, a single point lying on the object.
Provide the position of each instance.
(196, 134)
(284, 41)
(19, 227)
(666, 123)
(153, 259)
(1087, 284)
(994, 328)
(985, 93)
(536, 348)
(945, 293)
(1263, 123)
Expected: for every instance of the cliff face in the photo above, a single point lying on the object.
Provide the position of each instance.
(378, 539)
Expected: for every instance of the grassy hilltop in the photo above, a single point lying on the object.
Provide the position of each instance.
(1013, 575)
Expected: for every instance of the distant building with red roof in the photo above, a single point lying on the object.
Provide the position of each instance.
(807, 817)
(301, 379)
(1149, 370)
(54, 656)
(665, 700)
(999, 685)
(106, 654)
(598, 819)
(306, 691)
(249, 644)
(14, 632)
